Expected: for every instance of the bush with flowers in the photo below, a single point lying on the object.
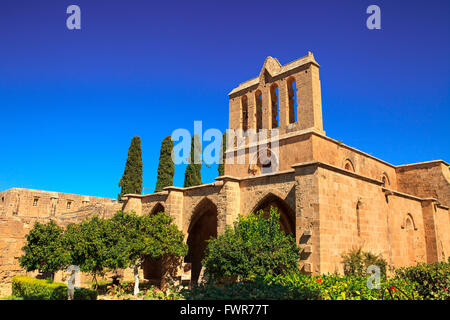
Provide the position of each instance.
(432, 280)
(348, 287)
(297, 286)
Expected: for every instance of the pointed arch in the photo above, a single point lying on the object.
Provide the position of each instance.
(287, 214)
(258, 105)
(348, 165)
(159, 207)
(385, 179)
(202, 227)
(292, 99)
(152, 267)
(203, 206)
(410, 228)
(408, 222)
(244, 113)
(274, 105)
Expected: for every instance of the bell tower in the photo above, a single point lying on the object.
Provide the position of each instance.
(285, 97)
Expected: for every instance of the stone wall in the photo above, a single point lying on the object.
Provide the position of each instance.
(426, 180)
(19, 212)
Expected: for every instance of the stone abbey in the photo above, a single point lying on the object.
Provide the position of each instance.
(331, 197)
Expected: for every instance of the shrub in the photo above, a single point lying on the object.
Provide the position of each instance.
(254, 247)
(35, 289)
(84, 294)
(432, 280)
(11, 298)
(347, 287)
(257, 289)
(357, 261)
(172, 293)
(296, 286)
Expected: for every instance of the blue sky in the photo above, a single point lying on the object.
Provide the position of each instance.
(71, 101)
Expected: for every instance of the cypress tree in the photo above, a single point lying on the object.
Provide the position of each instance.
(223, 149)
(192, 175)
(166, 168)
(131, 181)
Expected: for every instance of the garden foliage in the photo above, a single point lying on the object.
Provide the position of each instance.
(254, 247)
(34, 289)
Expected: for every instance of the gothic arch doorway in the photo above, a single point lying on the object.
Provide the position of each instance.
(152, 268)
(287, 215)
(203, 226)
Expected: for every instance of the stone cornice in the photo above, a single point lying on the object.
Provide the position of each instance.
(423, 164)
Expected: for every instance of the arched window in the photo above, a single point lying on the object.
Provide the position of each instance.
(244, 105)
(348, 165)
(274, 105)
(264, 161)
(292, 96)
(385, 179)
(410, 238)
(258, 98)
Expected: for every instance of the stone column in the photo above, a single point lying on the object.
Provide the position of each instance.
(266, 108)
(229, 202)
(307, 221)
(251, 110)
(174, 205)
(309, 100)
(428, 213)
(234, 113)
(132, 203)
(283, 102)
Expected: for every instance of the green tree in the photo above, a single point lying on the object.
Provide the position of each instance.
(131, 181)
(254, 247)
(223, 149)
(166, 168)
(192, 175)
(164, 241)
(152, 236)
(45, 249)
(92, 245)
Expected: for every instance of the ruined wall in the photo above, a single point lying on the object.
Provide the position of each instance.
(44, 204)
(20, 212)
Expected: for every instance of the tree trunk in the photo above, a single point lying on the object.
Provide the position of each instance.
(136, 279)
(169, 265)
(94, 276)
